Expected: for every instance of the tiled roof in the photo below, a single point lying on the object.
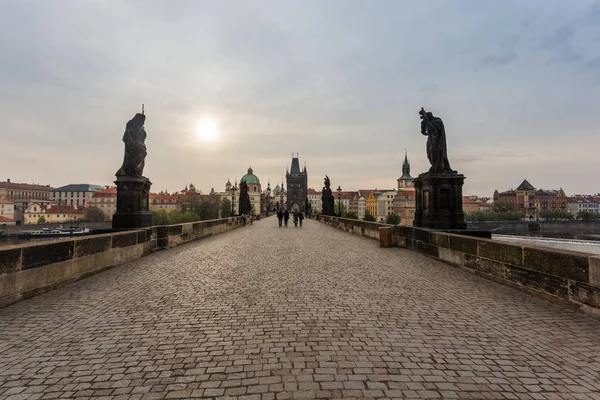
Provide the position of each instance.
(312, 191)
(525, 186)
(4, 201)
(25, 186)
(5, 219)
(110, 192)
(79, 187)
(62, 209)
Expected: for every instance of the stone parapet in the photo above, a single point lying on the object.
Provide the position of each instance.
(569, 278)
(30, 269)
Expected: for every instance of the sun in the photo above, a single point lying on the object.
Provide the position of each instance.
(207, 130)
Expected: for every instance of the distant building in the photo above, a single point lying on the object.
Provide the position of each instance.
(314, 196)
(165, 201)
(280, 196)
(52, 213)
(583, 203)
(297, 184)
(105, 200)
(361, 206)
(371, 203)
(530, 201)
(254, 190)
(405, 200)
(229, 195)
(7, 212)
(385, 205)
(474, 204)
(23, 194)
(77, 194)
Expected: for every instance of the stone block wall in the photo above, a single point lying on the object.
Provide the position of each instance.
(30, 269)
(569, 278)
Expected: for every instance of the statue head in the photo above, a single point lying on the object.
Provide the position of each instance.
(139, 119)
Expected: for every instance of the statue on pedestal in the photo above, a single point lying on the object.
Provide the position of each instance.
(133, 189)
(438, 202)
(437, 153)
(327, 198)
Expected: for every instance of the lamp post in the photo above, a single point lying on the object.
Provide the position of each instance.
(233, 200)
(339, 191)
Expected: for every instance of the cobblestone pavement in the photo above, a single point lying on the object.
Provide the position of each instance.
(272, 313)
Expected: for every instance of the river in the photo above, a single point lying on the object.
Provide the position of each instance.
(584, 246)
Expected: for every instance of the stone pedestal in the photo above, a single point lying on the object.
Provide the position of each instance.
(132, 203)
(439, 200)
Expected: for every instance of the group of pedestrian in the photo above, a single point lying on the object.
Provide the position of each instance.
(283, 216)
(247, 217)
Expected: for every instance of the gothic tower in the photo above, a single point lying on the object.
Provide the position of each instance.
(297, 184)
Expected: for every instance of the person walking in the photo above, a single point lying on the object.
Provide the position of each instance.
(296, 218)
(280, 216)
(300, 218)
(286, 217)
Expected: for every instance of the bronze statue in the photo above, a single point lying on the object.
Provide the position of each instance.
(135, 148)
(433, 128)
(327, 198)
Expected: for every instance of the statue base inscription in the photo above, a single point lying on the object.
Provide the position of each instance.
(132, 203)
(439, 200)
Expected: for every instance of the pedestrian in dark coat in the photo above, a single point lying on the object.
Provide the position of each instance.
(280, 216)
(300, 218)
(286, 217)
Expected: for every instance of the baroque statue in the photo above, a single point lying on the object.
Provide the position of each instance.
(135, 148)
(437, 153)
(327, 198)
(133, 189)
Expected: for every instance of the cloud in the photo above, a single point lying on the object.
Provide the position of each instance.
(338, 81)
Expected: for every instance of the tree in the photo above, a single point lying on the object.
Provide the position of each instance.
(503, 205)
(94, 214)
(225, 208)
(337, 208)
(587, 216)
(393, 219)
(41, 220)
(351, 215)
(159, 217)
(174, 217)
(369, 217)
(208, 210)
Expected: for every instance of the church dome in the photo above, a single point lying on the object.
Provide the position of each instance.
(250, 178)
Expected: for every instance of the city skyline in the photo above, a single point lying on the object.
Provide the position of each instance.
(340, 83)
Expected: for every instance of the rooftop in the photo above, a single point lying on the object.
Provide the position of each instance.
(525, 186)
(25, 186)
(79, 187)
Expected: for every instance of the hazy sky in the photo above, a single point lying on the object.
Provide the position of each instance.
(517, 84)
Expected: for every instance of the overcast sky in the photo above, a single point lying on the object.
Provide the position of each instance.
(517, 84)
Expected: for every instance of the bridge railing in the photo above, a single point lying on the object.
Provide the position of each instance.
(33, 268)
(570, 278)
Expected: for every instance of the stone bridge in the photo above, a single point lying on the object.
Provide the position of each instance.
(263, 312)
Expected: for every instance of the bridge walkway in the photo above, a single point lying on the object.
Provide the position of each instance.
(264, 312)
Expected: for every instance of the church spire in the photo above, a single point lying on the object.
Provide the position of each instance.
(406, 167)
